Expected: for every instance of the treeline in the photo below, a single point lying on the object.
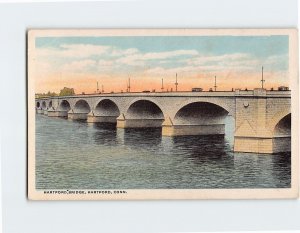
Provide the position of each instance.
(66, 91)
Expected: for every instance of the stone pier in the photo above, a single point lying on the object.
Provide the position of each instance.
(122, 122)
(169, 129)
(262, 118)
(77, 115)
(256, 128)
(184, 130)
(40, 111)
(57, 113)
(92, 118)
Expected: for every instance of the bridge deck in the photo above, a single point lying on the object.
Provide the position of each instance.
(251, 93)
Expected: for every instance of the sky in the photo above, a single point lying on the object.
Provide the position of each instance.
(236, 61)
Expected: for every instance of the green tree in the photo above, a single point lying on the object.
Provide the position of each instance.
(66, 91)
(51, 94)
(43, 95)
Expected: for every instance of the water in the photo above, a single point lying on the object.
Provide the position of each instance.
(79, 155)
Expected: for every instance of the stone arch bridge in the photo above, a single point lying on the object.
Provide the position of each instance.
(262, 118)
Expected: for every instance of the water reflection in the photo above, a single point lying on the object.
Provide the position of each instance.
(146, 138)
(263, 170)
(281, 168)
(76, 154)
(203, 149)
(105, 134)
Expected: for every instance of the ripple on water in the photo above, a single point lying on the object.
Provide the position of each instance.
(79, 155)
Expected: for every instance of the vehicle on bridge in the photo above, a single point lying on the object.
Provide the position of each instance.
(283, 88)
(197, 89)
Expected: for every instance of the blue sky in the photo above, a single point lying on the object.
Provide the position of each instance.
(153, 57)
(260, 46)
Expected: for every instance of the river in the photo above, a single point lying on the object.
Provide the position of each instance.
(79, 155)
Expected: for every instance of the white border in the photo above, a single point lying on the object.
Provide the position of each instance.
(21, 215)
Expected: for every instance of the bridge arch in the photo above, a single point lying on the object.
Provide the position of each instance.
(50, 104)
(64, 105)
(81, 106)
(107, 107)
(283, 127)
(199, 118)
(44, 105)
(226, 106)
(144, 109)
(141, 113)
(200, 113)
(280, 118)
(281, 130)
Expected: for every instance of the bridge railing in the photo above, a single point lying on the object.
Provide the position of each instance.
(179, 94)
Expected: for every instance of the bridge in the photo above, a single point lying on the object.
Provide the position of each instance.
(262, 118)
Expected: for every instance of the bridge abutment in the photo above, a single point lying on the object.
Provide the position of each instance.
(122, 122)
(253, 145)
(185, 130)
(169, 129)
(92, 118)
(77, 116)
(39, 111)
(256, 113)
(253, 134)
(57, 113)
(262, 145)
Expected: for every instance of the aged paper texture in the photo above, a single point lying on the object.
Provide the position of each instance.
(133, 114)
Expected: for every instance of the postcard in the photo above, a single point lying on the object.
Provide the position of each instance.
(144, 114)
